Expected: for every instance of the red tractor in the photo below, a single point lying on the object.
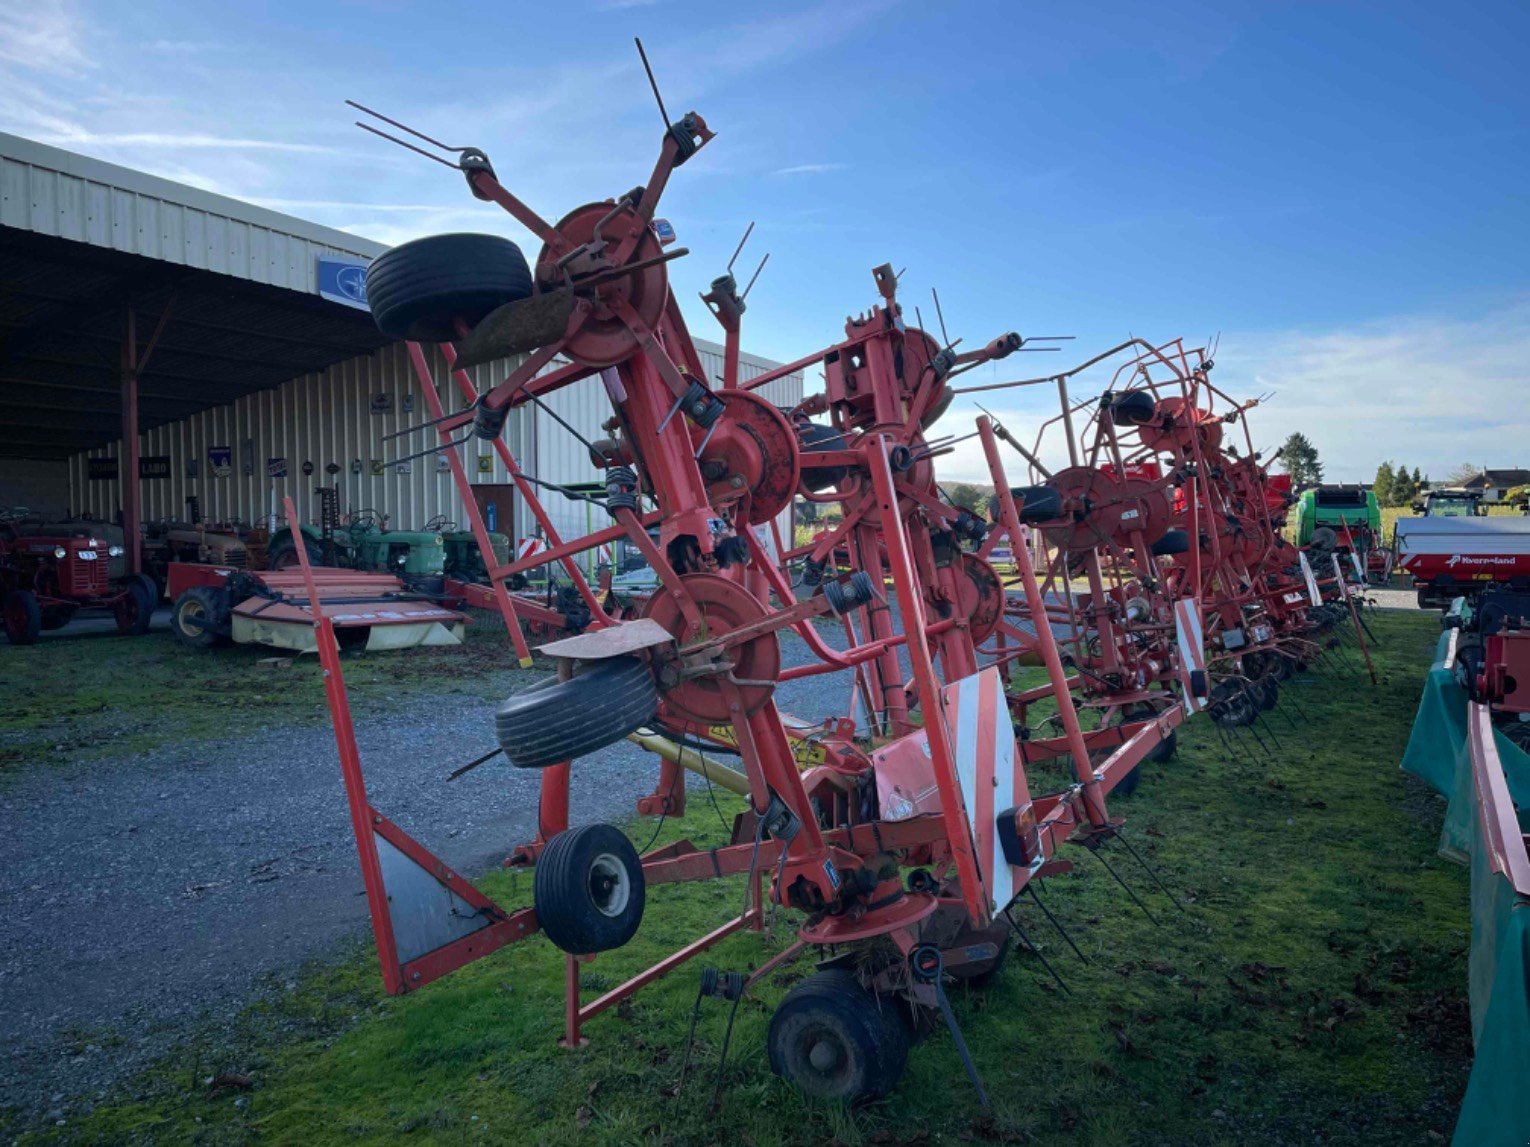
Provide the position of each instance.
(50, 573)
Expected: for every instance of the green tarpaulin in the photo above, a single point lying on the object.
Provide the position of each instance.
(1496, 1109)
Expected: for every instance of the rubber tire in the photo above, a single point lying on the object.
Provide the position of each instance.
(555, 721)
(151, 587)
(1469, 661)
(23, 617)
(1037, 503)
(213, 606)
(1129, 783)
(1173, 542)
(136, 624)
(566, 909)
(1166, 750)
(417, 289)
(285, 548)
(872, 1039)
(1133, 408)
(56, 617)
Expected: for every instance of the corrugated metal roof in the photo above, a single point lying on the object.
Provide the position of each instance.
(81, 241)
(49, 191)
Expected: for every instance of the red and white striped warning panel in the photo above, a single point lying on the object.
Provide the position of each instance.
(1312, 588)
(991, 774)
(1192, 648)
(528, 546)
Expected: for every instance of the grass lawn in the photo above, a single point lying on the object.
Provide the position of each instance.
(1313, 990)
(103, 694)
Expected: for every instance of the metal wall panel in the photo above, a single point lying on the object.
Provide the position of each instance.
(322, 418)
(560, 457)
(53, 192)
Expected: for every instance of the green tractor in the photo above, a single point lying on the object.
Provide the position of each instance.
(362, 542)
(464, 560)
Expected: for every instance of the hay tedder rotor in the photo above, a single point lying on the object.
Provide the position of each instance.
(902, 832)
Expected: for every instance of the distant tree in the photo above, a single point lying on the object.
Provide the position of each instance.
(969, 497)
(1300, 459)
(1419, 481)
(1404, 488)
(1461, 475)
(1386, 478)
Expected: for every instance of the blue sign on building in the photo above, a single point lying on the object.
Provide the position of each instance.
(343, 281)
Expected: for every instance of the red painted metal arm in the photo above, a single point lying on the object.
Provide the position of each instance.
(501, 596)
(942, 752)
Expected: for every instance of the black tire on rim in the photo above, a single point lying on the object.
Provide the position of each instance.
(555, 721)
(417, 290)
(835, 1040)
(56, 616)
(133, 611)
(199, 617)
(150, 586)
(589, 890)
(1173, 542)
(284, 555)
(23, 617)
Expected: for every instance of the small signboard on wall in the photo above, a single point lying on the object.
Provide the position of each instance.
(101, 469)
(486, 463)
(220, 461)
(343, 281)
(276, 467)
(154, 467)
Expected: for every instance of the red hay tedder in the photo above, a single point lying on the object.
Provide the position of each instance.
(904, 832)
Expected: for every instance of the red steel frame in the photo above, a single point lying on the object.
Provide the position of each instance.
(602, 255)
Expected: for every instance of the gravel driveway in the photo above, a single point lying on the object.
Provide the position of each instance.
(146, 897)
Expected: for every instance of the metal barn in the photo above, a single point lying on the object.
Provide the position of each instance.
(228, 337)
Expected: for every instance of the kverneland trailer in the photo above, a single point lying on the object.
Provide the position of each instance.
(1451, 557)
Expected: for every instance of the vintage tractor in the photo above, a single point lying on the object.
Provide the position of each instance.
(361, 540)
(463, 560)
(48, 574)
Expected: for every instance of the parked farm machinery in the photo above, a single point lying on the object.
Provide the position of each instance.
(902, 831)
(215, 605)
(1156, 509)
(907, 831)
(1492, 656)
(51, 573)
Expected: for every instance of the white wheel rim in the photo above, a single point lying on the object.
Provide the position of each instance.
(192, 614)
(610, 887)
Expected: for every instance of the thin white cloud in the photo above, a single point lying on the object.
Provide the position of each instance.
(180, 142)
(43, 37)
(810, 168)
(1430, 391)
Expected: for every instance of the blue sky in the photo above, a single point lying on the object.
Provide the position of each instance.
(1339, 190)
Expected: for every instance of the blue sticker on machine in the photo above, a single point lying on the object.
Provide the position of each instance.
(343, 281)
(831, 872)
